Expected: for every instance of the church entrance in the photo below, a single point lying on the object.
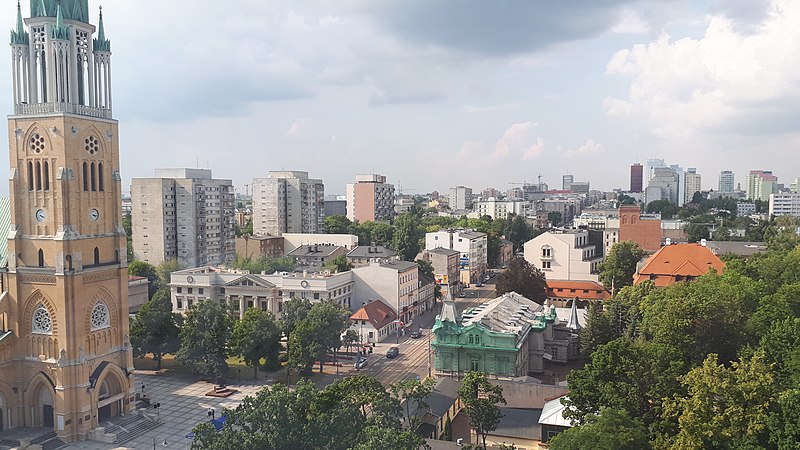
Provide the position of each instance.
(109, 399)
(47, 417)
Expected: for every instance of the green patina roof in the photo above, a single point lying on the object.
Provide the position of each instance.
(71, 9)
(19, 36)
(60, 31)
(101, 44)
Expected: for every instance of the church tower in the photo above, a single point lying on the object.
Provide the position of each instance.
(65, 359)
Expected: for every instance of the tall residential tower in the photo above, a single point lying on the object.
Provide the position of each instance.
(288, 202)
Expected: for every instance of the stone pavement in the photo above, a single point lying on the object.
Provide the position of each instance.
(183, 406)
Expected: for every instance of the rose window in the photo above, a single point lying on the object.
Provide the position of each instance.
(100, 316)
(42, 323)
(37, 143)
(92, 145)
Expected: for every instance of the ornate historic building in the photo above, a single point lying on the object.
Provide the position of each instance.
(65, 359)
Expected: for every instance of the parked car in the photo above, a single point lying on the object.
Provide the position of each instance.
(360, 362)
(416, 334)
(393, 352)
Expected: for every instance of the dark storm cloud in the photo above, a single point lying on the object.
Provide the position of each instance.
(497, 27)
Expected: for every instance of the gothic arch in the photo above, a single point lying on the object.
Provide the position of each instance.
(101, 341)
(93, 132)
(36, 128)
(102, 294)
(40, 345)
(40, 400)
(34, 300)
(8, 403)
(109, 390)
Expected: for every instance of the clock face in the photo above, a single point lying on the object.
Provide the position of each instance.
(40, 215)
(94, 214)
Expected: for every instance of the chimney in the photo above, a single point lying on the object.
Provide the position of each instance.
(668, 241)
(305, 274)
(703, 242)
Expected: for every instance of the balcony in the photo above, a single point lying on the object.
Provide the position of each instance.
(59, 108)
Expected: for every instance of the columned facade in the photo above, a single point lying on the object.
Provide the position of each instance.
(65, 359)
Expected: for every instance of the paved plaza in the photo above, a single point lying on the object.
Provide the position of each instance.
(183, 406)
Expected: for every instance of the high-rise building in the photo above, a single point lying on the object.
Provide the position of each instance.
(65, 357)
(650, 169)
(460, 198)
(370, 198)
(566, 182)
(637, 177)
(692, 183)
(288, 202)
(185, 215)
(663, 186)
(726, 181)
(760, 184)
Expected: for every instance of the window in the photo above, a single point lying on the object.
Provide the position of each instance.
(93, 177)
(189, 290)
(30, 176)
(85, 176)
(545, 264)
(41, 322)
(96, 256)
(100, 317)
(316, 295)
(180, 289)
(99, 177)
(474, 364)
(200, 291)
(547, 252)
(41, 258)
(179, 303)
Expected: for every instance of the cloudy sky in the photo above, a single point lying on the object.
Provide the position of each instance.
(434, 93)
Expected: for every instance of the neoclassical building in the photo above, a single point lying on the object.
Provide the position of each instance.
(65, 360)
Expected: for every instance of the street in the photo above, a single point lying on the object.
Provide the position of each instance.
(413, 360)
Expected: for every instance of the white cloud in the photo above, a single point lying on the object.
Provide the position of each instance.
(682, 87)
(300, 127)
(630, 23)
(590, 147)
(518, 139)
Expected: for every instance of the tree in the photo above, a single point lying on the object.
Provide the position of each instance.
(666, 208)
(425, 268)
(338, 225)
(339, 264)
(617, 270)
(144, 269)
(518, 232)
(597, 331)
(784, 422)
(696, 232)
(413, 391)
(480, 399)
(320, 332)
(554, 217)
(524, 279)
(294, 311)
(205, 336)
(128, 227)
(448, 429)
(613, 429)
(724, 407)
(376, 437)
(154, 329)
(165, 270)
(407, 236)
(256, 336)
(349, 339)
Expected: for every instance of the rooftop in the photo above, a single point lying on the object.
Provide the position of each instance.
(377, 313)
(684, 260)
(553, 414)
(519, 423)
(510, 313)
(321, 250)
(585, 290)
(399, 265)
(371, 251)
(443, 251)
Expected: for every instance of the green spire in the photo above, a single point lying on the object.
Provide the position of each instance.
(101, 44)
(60, 31)
(19, 36)
(41, 10)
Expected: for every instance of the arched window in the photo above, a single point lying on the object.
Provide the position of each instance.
(46, 176)
(94, 178)
(69, 262)
(100, 317)
(38, 176)
(85, 176)
(30, 176)
(41, 258)
(96, 256)
(41, 322)
(100, 183)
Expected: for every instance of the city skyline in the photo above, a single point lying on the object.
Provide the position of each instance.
(338, 90)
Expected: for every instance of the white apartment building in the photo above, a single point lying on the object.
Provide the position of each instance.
(288, 202)
(565, 255)
(500, 209)
(726, 181)
(784, 204)
(394, 282)
(183, 214)
(473, 248)
(460, 198)
(692, 183)
(761, 184)
(370, 198)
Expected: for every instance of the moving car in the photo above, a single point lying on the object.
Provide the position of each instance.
(416, 334)
(462, 294)
(360, 362)
(393, 352)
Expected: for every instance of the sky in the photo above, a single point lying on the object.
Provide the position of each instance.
(434, 93)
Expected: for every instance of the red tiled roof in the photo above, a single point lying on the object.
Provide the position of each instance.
(679, 260)
(379, 314)
(135, 278)
(585, 290)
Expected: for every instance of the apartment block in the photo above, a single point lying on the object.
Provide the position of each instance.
(500, 209)
(566, 255)
(726, 181)
(472, 246)
(183, 214)
(692, 184)
(460, 198)
(784, 204)
(288, 202)
(370, 198)
(761, 184)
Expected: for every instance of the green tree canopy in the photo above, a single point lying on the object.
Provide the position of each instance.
(619, 266)
(696, 232)
(256, 336)
(613, 429)
(338, 264)
(155, 328)
(205, 336)
(481, 399)
(407, 236)
(144, 269)
(337, 225)
(524, 279)
(315, 335)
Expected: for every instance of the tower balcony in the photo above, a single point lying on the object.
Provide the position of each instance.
(60, 108)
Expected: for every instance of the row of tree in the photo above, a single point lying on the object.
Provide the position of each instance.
(356, 412)
(710, 364)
